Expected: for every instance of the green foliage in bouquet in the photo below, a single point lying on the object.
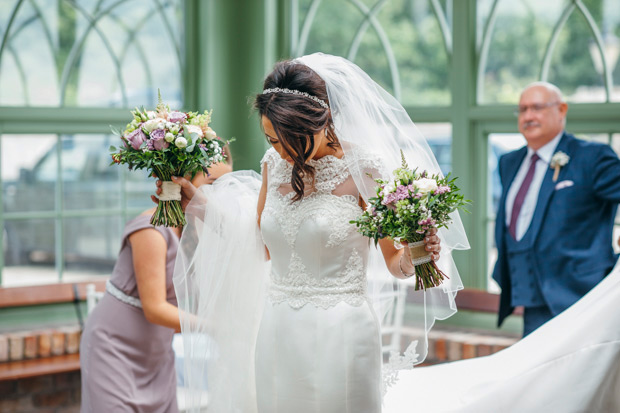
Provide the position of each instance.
(406, 207)
(168, 143)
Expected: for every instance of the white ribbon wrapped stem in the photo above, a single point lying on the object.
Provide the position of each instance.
(170, 191)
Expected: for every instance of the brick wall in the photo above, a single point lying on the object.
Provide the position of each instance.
(53, 393)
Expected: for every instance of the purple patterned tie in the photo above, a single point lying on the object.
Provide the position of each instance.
(516, 207)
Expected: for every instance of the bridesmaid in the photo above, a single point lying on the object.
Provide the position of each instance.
(126, 355)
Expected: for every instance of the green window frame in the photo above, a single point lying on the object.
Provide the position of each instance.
(468, 48)
(63, 120)
(230, 46)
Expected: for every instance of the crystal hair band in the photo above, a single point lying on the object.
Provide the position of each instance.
(296, 92)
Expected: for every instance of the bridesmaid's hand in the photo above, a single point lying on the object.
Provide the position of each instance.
(188, 190)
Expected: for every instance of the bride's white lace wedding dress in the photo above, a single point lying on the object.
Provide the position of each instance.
(318, 347)
(308, 341)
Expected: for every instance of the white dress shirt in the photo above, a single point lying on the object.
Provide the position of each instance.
(531, 198)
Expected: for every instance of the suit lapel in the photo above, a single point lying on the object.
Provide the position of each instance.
(547, 189)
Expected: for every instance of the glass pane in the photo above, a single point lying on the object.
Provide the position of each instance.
(61, 53)
(91, 246)
(492, 286)
(572, 67)
(89, 182)
(29, 170)
(522, 31)
(402, 48)
(29, 255)
(499, 144)
(516, 45)
(439, 137)
(138, 189)
(28, 70)
(611, 43)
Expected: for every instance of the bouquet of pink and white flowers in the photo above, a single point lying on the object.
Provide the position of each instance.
(168, 143)
(405, 208)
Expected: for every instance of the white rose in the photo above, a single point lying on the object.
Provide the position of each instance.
(388, 189)
(151, 114)
(180, 143)
(211, 134)
(151, 125)
(425, 185)
(169, 137)
(194, 129)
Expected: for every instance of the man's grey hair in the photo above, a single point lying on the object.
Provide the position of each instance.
(550, 87)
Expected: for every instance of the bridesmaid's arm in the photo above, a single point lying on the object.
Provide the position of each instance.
(149, 250)
(262, 197)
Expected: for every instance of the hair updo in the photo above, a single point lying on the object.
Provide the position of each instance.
(297, 118)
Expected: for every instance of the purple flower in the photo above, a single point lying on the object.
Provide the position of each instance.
(136, 138)
(176, 117)
(158, 139)
(402, 192)
(442, 189)
(426, 223)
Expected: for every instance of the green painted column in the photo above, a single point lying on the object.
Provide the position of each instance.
(233, 51)
(468, 156)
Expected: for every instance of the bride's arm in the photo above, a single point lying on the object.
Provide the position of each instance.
(262, 196)
(392, 256)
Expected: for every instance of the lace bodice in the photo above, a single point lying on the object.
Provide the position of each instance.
(317, 256)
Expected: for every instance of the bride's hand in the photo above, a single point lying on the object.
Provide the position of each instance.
(188, 190)
(433, 245)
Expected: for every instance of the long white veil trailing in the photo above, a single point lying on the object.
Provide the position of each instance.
(221, 273)
(369, 120)
(220, 277)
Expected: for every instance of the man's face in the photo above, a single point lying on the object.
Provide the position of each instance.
(541, 116)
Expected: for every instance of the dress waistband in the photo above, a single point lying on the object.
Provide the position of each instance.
(121, 296)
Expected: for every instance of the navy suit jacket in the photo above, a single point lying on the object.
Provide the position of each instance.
(572, 224)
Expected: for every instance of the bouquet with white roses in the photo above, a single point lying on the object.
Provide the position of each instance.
(168, 143)
(405, 208)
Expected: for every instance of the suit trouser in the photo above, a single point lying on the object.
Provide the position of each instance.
(534, 317)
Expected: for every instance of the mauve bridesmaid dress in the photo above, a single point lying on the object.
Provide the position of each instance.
(127, 362)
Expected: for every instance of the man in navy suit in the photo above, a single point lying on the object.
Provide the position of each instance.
(555, 218)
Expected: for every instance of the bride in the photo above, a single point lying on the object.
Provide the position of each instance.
(281, 316)
(300, 332)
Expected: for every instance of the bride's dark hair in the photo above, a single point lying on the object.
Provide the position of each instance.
(297, 118)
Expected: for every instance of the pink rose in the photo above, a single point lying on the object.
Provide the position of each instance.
(136, 138)
(177, 117)
(158, 139)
